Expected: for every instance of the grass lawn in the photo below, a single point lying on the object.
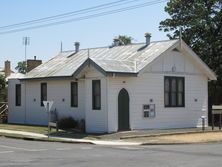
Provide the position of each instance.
(27, 128)
(44, 130)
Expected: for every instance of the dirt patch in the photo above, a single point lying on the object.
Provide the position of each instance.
(181, 138)
(195, 137)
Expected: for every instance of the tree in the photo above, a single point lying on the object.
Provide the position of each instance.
(2, 82)
(21, 67)
(201, 26)
(2, 88)
(123, 40)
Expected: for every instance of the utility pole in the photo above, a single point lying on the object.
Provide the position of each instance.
(26, 42)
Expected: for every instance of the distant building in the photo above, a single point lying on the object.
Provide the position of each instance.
(150, 85)
(6, 71)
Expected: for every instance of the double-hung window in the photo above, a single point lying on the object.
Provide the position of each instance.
(174, 95)
(18, 94)
(43, 93)
(96, 95)
(74, 94)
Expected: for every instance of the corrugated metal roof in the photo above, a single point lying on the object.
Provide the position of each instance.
(124, 59)
(16, 75)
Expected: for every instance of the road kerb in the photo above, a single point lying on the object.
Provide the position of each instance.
(166, 134)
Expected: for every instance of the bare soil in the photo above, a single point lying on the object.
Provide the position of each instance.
(182, 138)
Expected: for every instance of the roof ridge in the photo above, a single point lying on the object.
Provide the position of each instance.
(112, 59)
(101, 47)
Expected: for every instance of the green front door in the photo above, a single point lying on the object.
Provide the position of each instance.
(123, 110)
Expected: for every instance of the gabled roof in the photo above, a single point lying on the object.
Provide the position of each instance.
(15, 75)
(197, 60)
(129, 59)
(123, 59)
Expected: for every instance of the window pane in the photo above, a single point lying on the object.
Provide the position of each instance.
(18, 94)
(173, 99)
(173, 85)
(75, 101)
(97, 101)
(167, 85)
(43, 93)
(75, 89)
(180, 85)
(180, 99)
(74, 94)
(96, 94)
(97, 88)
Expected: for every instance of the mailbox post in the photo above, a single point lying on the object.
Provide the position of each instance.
(203, 122)
(48, 105)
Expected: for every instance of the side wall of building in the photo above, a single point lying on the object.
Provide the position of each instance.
(58, 91)
(148, 88)
(16, 113)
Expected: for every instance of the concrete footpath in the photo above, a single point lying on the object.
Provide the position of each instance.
(129, 138)
(37, 136)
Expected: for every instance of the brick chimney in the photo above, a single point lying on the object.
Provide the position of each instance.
(7, 68)
(33, 63)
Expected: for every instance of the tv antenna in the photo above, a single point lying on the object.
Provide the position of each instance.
(26, 42)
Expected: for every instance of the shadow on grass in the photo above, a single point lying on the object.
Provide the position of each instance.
(69, 133)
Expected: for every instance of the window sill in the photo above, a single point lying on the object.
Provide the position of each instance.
(174, 106)
(96, 109)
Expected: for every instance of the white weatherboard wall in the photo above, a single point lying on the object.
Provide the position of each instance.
(16, 113)
(150, 85)
(96, 120)
(57, 90)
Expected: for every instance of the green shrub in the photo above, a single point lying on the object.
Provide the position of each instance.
(67, 123)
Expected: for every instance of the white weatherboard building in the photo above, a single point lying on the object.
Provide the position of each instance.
(140, 86)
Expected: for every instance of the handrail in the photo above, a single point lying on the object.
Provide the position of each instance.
(2, 106)
(3, 110)
(3, 102)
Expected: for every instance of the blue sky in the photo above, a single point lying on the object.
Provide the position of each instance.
(95, 32)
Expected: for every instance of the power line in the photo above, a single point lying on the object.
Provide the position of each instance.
(69, 14)
(119, 10)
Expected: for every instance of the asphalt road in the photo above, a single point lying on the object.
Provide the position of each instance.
(41, 154)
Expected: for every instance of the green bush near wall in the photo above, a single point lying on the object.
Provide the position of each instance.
(67, 123)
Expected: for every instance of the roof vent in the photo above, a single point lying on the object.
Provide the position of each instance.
(147, 36)
(77, 44)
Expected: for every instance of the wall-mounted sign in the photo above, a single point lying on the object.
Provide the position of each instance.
(149, 111)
